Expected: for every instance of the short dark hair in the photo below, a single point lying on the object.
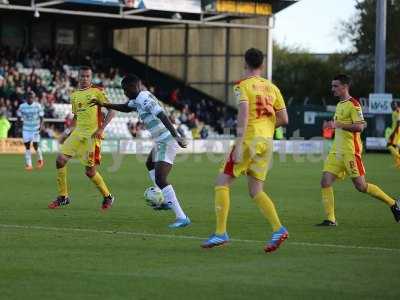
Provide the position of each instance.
(254, 58)
(85, 68)
(343, 78)
(130, 78)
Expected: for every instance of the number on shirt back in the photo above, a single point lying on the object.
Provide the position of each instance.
(264, 106)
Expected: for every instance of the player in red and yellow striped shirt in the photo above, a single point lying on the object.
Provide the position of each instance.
(344, 157)
(261, 110)
(84, 140)
(394, 138)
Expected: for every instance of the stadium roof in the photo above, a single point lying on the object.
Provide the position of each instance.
(137, 12)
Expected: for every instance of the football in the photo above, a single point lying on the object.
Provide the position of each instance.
(153, 196)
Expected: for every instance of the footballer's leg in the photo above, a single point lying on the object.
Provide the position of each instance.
(362, 186)
(222, 204)
(328, 199)
(28, 156)
(162, 169)
(92, 173)
(393, 148)
(40, 161)
(334, 167)
(394, 151)
(90, 155)
(267, 208)
(151, 167)
(228, 172)
(62, 187)
(27, 137)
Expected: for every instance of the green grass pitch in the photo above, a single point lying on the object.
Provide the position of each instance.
(129, 253)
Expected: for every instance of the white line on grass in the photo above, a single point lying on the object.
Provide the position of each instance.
(188, 237)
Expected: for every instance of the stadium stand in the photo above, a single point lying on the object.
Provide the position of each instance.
(53, 75)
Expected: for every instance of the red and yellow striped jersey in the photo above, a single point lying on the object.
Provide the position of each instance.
(348, 112)
(395, 118)
(264, 99)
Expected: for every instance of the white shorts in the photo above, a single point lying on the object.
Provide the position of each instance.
(31, 136)
(165, 151)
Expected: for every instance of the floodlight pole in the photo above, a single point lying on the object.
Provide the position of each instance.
(380, 59)
(380, 46)
(269, 46)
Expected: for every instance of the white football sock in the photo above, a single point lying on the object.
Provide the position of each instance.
(152, 175)
(28, 158)
(170, 198)
(39, 154)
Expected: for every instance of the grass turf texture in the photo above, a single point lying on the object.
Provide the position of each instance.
(44, 256)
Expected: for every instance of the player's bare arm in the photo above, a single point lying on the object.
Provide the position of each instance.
(167, 123)
(119, 107)
(19, 121)
(41, 125)
(355, 127)
(282, 118)
(68, 132)
(242, 120)
(99, 134)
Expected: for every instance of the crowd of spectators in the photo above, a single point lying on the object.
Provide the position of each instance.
(53, 86)
(19, 75)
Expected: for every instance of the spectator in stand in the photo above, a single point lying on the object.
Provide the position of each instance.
(14, 107)
(184, 115)
(195, 127)
(2, 85)
(62, 93)
(3, 107)
(49, 132)
(115, 78)
(230, 125)
(174, 97)
(49, 109)
(9, 109)
(204, 132)
(69, 120)
(38, 87)
(9, 88)
(191, 122)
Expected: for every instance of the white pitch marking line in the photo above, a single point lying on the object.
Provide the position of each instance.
(188, 237)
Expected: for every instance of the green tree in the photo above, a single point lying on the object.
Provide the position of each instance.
(304, 77)
(361, 32)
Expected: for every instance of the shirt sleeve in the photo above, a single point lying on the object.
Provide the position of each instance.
(240, 93)
(131, 104)
(356, 114)
(279, 103)
(149, 103)
(102, 97)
